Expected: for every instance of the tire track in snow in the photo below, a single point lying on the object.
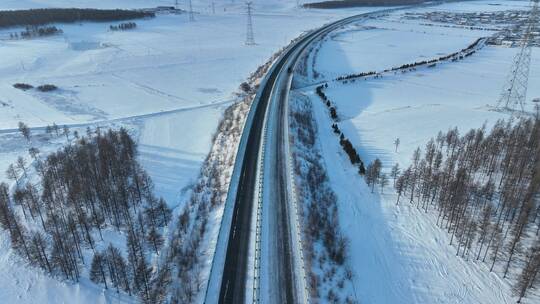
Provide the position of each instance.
(126, 118)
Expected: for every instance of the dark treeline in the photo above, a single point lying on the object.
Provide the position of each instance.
(479, 28)
(333, 4)
(123, 26)
(23, 86)
(345, 143)
(89, 185)
(47, 87)
(66, 15)
(35, 31)
(466, 52)
(41, 88)
(484, 188)
(357, 75)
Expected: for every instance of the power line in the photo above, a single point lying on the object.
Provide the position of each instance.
(191, 16)
(514, 94)
(250, 37)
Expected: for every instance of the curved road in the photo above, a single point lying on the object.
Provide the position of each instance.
(236, 268)
(281, 282)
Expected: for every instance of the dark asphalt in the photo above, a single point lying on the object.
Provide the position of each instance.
(236, 267)
(233, 284)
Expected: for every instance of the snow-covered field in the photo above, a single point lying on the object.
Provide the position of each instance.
(167, 63)
(168, 82)
(398, 253)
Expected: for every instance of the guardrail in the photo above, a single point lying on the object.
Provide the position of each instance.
(299, 246)
(215, 277)
(258, 221)
(218, 260)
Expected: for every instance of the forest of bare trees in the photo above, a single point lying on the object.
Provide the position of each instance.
(484, 189)
(92, 184)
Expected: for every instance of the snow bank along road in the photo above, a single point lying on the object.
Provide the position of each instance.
(280, 282)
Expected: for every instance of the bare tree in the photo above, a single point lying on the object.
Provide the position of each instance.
(25, 130)
(395, 172)
(383, 182)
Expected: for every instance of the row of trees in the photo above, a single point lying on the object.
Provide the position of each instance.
(484, 187)
(469, 50)
(93, 183)
(41, 88)
(66, 15)
(123, 26)
(35, 31)
(466, 52)
(345, 143)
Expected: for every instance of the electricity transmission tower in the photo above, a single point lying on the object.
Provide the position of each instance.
(250, 37)
(515, 90)
(191, 16)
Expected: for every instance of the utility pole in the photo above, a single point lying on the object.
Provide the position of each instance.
(175, 4)
(213, 8)
(515, 90)
(191, 16)
(250, 37)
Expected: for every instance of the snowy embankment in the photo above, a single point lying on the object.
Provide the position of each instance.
(324, 245)
(169, 82)
(398, 254)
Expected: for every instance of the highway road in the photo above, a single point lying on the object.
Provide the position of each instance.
(236, 268)
(280, 275)
(281, 280)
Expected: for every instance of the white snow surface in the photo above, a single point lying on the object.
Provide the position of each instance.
(168, 82)
(398, 254)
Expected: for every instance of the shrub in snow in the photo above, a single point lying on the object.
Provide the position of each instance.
(123, 26)
(47, 88)
(245, 87)
(324, 246)
(23, 86)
